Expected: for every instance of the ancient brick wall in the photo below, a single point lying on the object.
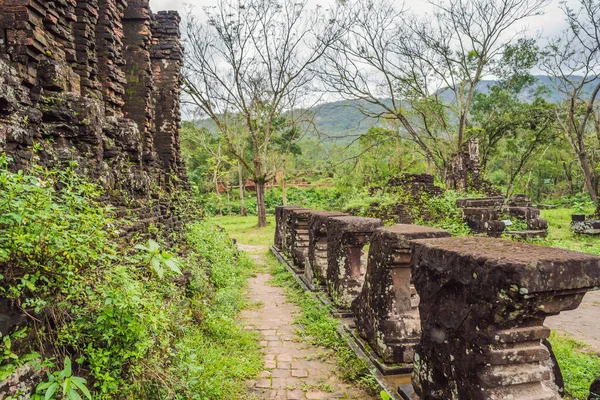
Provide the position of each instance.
(96, 82)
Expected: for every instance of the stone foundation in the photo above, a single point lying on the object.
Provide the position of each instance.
(483, 304)
(385, 312)
(346, 262)
(485, 216)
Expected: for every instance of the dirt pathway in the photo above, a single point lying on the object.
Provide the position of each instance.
(293, 370)
(581, 323)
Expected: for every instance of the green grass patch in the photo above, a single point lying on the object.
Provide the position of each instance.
(245, 229)
(579, 366)
(560, 234)
(320, 329)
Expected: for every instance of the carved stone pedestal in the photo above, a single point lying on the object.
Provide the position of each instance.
(385, 312)
(316, 270)
(483, 302)
(346, 263)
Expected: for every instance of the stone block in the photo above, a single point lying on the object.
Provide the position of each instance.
(316, 268)
(483, 302)
(346, 260)
(300, 220)
(385, 312)
(589, 227)
(286, 229)
(279, 224)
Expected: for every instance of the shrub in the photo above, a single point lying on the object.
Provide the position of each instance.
(134, 326)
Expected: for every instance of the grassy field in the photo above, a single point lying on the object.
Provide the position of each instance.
(560, 234)
(245, 230)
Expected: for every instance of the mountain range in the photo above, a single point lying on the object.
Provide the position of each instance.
(342, 120)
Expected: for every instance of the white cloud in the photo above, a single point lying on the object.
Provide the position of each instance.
(549, 24)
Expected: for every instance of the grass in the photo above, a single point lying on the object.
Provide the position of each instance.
(320, 329)
(578, 364)
(560, 234)
(245, 229)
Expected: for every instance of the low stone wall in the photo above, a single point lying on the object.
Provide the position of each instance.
(478, 331)
(486, 216)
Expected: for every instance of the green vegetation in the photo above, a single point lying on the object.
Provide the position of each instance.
(138, 321)
(579, 366)
(244, 229)
(560, 235)
(318, 326)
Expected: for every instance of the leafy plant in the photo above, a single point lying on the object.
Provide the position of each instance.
(70, 385)
(157, 260)
(9, 360)
(384, 395)
(578, 365)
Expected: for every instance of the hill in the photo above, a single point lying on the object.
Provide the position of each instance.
(341, 121)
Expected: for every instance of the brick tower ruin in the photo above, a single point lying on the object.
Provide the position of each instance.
(96, 82)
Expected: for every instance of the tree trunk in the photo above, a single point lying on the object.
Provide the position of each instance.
(260, 202)
(568, 175)
(241, 180)
(283, 187)
(216, 183)
(589, 179)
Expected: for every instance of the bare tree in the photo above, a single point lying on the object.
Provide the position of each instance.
(573, 59)
(253, 59)
(424, 71)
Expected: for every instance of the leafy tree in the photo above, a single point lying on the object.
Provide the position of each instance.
(430, 72)
(573, 59)
(253, 60)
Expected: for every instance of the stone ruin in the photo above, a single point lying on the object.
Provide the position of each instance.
(465, 172)
(279, 225)
(478, 332)
(411, 189)
(315, 272)
(346, 261)
(483, 305)
(96, 82)
(583, 226)
(386, 311)
(283, 232)
(486, 215)
(299, 220)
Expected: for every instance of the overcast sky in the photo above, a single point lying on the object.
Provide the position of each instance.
(548, 24)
